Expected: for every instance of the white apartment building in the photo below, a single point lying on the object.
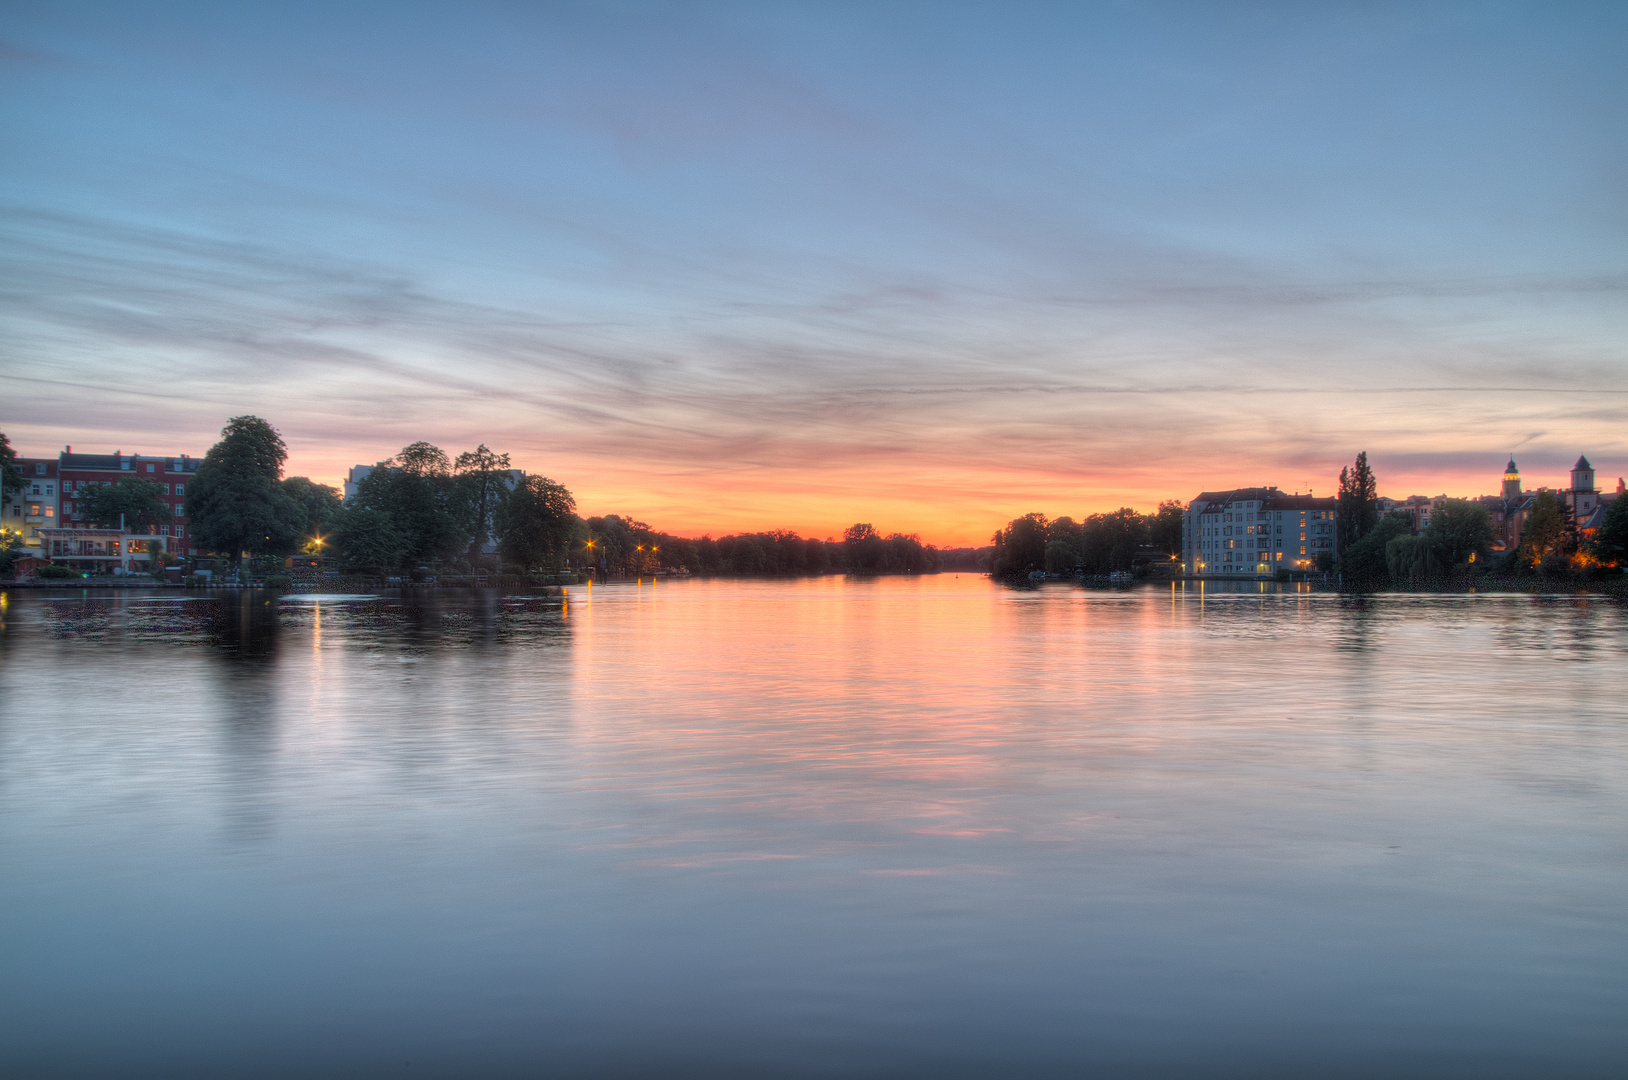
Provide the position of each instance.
(1255, 532)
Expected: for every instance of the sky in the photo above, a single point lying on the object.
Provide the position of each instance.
(733, 267)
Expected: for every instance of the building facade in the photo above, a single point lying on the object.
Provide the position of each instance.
(1256, 532)
(79, 471)
(37, 506)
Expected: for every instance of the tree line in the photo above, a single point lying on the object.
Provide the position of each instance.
(1100, 544)
(423, 510)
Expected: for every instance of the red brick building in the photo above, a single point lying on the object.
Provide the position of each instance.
(77, 471)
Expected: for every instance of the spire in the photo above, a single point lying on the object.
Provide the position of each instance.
(1582, 463)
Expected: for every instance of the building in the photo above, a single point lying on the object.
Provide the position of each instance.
(37, 506)
(1417, 509)
(171, 474)
(1255, 532)
(103, 551)
(357, 474)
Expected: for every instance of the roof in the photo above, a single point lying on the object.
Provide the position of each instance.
(1270, 498)
(93, 461)
(1511, 466)
(1582, 463)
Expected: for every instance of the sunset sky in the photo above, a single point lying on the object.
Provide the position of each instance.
(727, 267)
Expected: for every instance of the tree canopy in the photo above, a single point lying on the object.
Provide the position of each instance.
(135, 502)
(11, 477)
(236, 502)
(536, 523)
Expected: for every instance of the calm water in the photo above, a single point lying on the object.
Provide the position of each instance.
(827, 827)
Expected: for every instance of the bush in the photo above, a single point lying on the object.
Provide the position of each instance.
(278, 581)
(52, 570)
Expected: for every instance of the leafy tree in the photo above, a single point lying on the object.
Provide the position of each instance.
(1358, 503)
(369, 540)
(1461, 532)
(1109, 541)
(1020, 547)
(134, 501)
(236, 502)
(537, 522)
(1060, 557)
(11, 477)
(1610, 541)
(863, 546)
(417, 492)
(1365, 563)
(1550, 529)
(481, 474)
(318, 507)
(11, 546)
(1413, 558)
(422, 459)
(1164, 527)
(1458, 537)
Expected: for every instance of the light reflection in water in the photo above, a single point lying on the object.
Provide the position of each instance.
(884, 826)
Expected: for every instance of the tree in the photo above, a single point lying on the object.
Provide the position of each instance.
(236, 503)
(368, 540)
(1365, 562)
(482, 474)
(318, 507)
(422, 459)
(1461, 532)
(1550, 529)
(1109, 541)
(416, 491)
(1060, 557)
(1610, 541)
(1020, 547)
(1358, 499)
(11, 477)
(536, 523)
(133, 502)
(1458, 537)
(1164, 527)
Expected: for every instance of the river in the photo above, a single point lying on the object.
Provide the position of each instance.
(824, 827)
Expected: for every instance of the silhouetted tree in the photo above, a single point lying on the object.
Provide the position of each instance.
(536, 522)
(1164, 527)
(1358, 500)
(482, 475)
(235, 503)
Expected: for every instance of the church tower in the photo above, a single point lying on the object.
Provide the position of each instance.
(1512, 481)
(1582, 497)
(1582, 475)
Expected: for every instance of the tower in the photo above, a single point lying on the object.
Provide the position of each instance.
(1512, 481)
(1582, 497)
(1582, 476)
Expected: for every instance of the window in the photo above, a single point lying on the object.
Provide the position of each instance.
(166, 489)
(180, 510)
(180, 531)
(180, 489)
(36, 490)
(39, 468)
(50, 489)
(1302, 549)
(149, 468)
(163, 530)
(50, 511)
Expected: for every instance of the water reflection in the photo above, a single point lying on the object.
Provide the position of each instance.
(883, 827)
